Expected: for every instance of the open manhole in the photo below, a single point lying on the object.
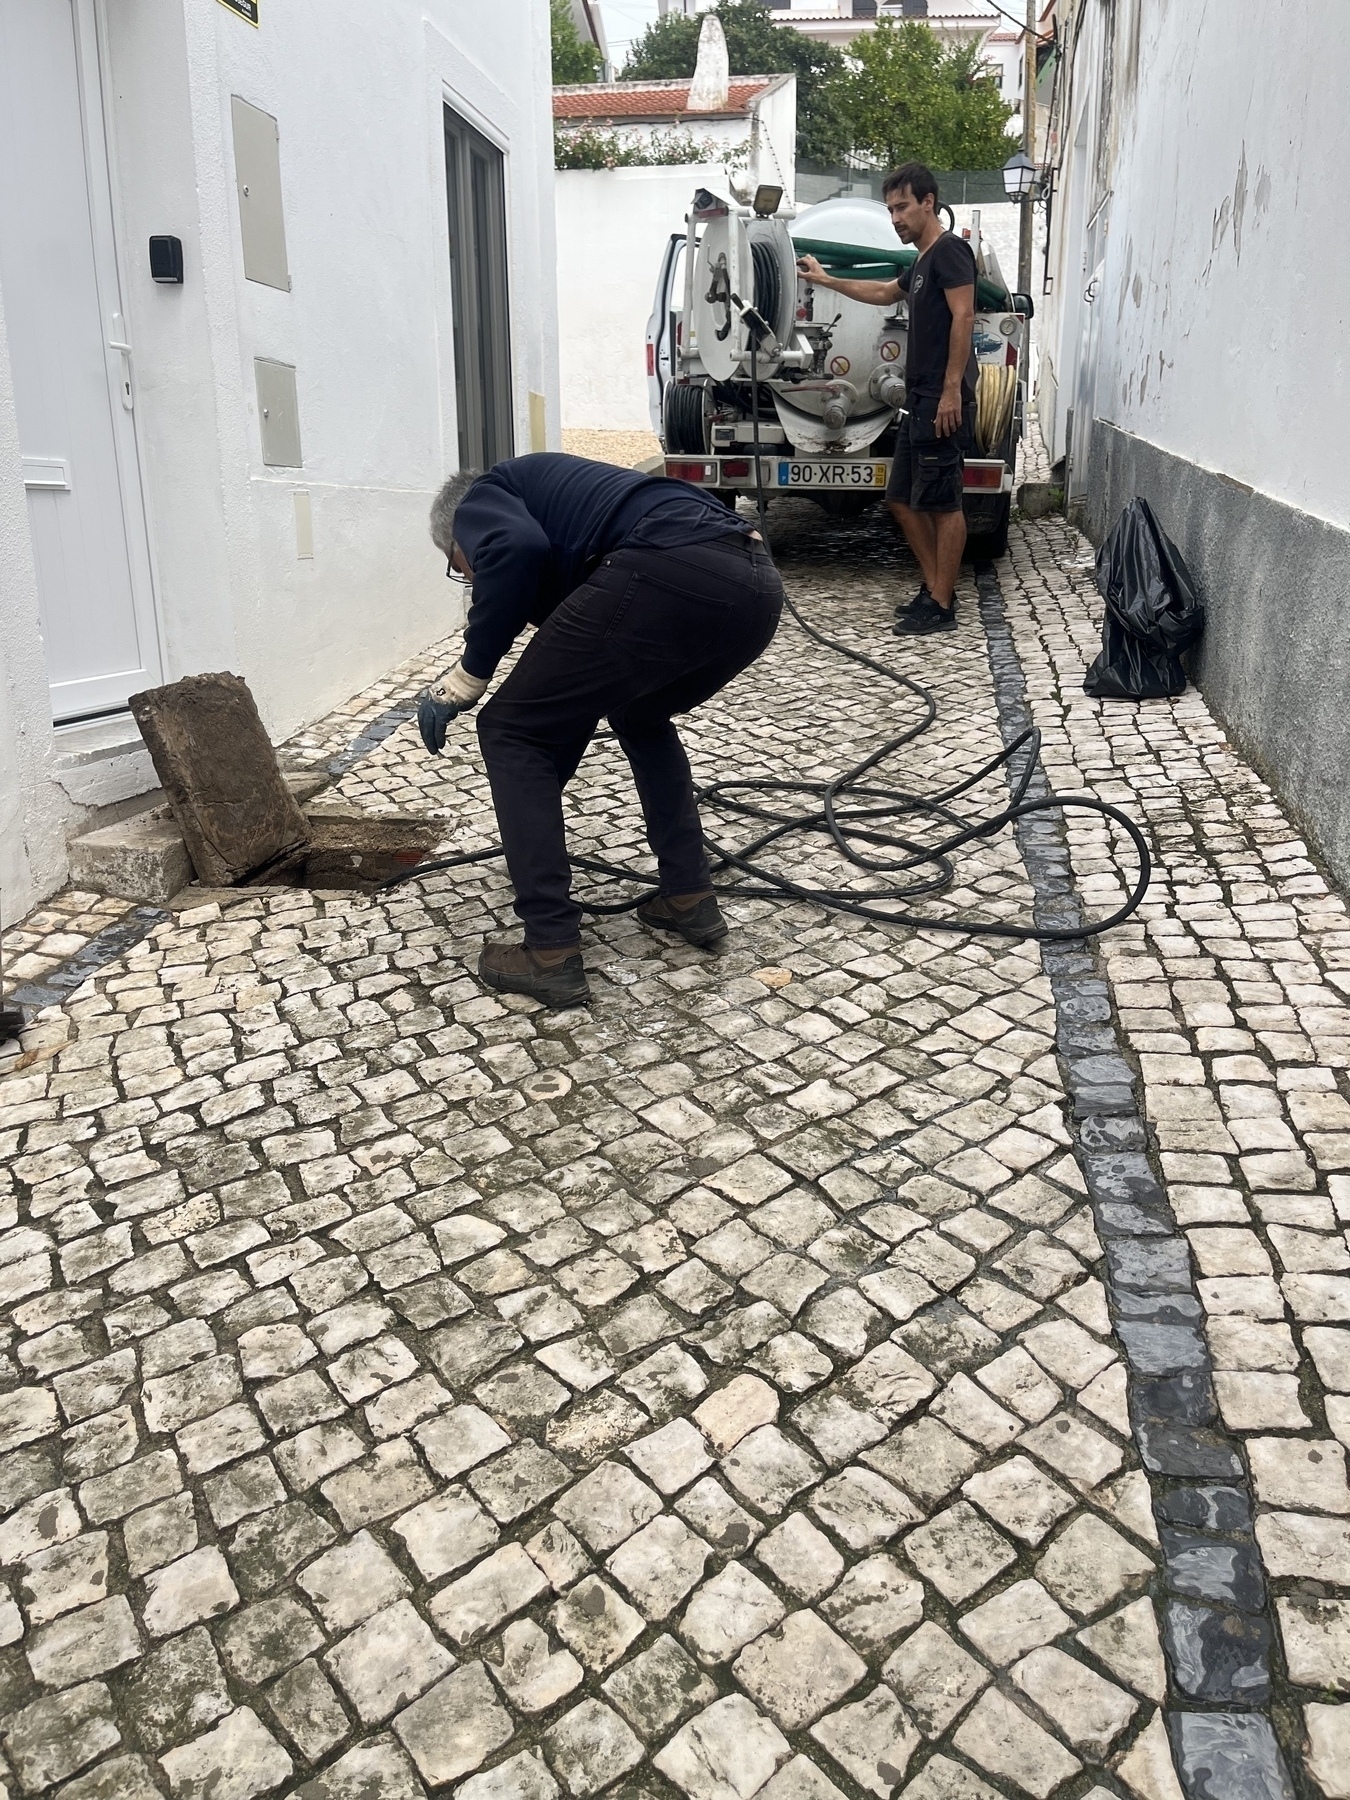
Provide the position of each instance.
(352, 852)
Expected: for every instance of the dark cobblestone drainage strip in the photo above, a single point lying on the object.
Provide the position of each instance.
(371, 738)
(1215, 1612)
(115, 940)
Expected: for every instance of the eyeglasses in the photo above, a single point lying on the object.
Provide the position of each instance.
(453, 574)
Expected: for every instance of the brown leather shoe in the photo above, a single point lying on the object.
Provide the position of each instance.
(557, 977)
(696, 918)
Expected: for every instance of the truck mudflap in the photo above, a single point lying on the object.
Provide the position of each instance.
(984, 475)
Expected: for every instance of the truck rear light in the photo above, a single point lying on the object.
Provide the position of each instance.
(1011, 358)
(983, 475)
(735, 467)
(692, 471)
(651, 357)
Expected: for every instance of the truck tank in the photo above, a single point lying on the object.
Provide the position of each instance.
(833, 367)
(858, 381)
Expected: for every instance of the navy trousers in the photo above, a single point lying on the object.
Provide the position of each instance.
(650, 634)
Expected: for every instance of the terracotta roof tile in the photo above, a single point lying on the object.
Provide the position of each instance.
(652, 99)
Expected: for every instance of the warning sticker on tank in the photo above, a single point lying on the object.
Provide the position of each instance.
(840, 365)
(890, 350)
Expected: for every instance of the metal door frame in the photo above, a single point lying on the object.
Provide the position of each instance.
(661, 329)
(480, 291)
(89, 20)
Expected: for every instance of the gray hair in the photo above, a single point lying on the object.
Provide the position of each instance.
(445, 505)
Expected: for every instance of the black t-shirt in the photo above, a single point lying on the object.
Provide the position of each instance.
(947, 263)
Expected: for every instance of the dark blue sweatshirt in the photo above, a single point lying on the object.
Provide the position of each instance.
(534, 527)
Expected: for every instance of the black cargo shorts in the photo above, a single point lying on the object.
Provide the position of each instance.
(926, 471)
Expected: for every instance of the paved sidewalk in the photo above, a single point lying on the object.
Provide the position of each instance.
(714, 1393)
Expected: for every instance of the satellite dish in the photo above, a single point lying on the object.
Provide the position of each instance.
(723, 268)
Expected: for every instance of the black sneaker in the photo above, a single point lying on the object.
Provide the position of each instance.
(924, 617)
(904, 607)
(701, 925)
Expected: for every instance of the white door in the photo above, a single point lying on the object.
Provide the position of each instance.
(661, 329)
(72, 377)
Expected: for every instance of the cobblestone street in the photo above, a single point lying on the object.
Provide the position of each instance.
(868, 1361)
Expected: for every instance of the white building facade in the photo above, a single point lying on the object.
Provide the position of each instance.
(840, 22)
(1192, 345)
(232, 469)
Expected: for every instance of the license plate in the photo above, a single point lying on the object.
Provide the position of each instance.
(832, 474)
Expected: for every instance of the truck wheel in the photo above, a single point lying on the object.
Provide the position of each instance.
(992, 542)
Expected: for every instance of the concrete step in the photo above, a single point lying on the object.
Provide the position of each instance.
(144, 857)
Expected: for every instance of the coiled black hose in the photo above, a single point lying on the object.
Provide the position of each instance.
(768, 283)
(862, 822)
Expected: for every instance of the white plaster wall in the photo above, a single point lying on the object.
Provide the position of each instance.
(776, 113)
(32, 844)
(1078, 228)
(1225, 265)
(357, 93)
(613, 227)
(1010, 62)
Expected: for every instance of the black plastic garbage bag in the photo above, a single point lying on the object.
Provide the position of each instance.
(1152, 612)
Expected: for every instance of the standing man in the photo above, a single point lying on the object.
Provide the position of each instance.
(937, 431)
(649, 597)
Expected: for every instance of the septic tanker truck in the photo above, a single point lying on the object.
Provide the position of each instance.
(760, 384)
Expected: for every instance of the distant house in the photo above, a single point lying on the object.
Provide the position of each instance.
(835, 22)
(842, 22)
(590, 24)
(754, 128)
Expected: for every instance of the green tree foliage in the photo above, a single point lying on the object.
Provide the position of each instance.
(573, 60)
(668, 50)
(909, 96)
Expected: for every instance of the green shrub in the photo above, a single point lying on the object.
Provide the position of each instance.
(594, 147)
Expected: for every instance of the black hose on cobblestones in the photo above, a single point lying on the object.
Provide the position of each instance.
(860, 823)
(851, 814)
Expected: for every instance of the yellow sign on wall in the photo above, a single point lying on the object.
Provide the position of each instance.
(243, 9)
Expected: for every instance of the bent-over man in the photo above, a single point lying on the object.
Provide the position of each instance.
(649, 596)
(937, 431)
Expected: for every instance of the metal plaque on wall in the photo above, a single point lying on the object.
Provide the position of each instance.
(244, 9)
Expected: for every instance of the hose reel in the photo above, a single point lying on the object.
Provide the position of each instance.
(995, 396)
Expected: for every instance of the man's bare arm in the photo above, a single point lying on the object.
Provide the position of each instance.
(871, 293)
(961, 300)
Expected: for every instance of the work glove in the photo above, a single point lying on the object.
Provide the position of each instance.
(451, 694)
